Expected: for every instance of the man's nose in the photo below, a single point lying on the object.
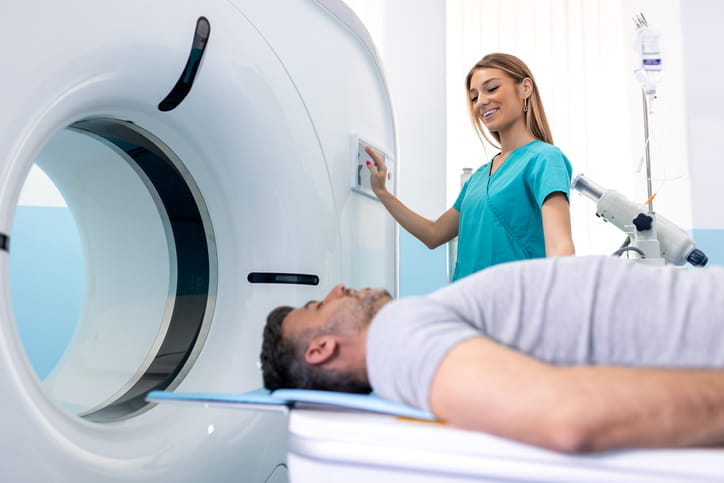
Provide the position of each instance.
(337, 292)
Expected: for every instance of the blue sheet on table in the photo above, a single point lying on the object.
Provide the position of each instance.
(290, 398)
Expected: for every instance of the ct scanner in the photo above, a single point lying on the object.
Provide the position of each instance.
(206, 150)
(209, 153)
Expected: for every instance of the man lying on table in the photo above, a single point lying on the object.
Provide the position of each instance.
(575, 354)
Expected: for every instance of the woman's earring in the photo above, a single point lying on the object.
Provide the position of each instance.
(525, 106)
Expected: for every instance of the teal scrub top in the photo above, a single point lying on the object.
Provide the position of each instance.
(500, 214)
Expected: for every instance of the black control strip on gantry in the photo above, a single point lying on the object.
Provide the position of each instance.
(295, 278)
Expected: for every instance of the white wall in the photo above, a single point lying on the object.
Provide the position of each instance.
(414, 56)
(704, 71)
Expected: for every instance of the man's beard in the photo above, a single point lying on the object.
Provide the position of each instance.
(359, 311)
(372, 300)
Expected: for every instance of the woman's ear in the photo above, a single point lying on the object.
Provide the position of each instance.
(320, 350)
(526, 87)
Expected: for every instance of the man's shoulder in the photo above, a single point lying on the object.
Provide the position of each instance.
(397, 309)
(503, 273)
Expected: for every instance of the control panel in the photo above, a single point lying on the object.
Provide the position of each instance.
(360, 172)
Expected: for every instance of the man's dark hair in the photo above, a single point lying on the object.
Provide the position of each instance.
(283, 364)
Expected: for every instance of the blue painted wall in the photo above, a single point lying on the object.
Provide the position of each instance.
(711, 242)
(421, 270)
(47, 282)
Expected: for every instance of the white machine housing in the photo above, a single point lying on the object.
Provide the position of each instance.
(259, 147)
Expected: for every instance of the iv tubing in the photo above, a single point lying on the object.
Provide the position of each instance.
(647, 152)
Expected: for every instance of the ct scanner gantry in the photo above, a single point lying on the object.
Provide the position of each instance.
(206, 151)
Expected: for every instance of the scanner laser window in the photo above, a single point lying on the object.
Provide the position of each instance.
(183, 86)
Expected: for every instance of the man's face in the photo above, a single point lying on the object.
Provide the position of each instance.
(343, 310)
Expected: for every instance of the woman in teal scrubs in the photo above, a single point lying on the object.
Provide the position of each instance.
(514, 207)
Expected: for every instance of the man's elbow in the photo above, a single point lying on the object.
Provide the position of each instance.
(551, 429)
(570, 435)
(569, 439)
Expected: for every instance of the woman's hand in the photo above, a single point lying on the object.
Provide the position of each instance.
(378, 172)
(431, 233)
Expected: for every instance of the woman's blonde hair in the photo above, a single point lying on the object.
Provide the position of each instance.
(535, 116)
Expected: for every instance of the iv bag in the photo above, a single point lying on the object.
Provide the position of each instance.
(648, 70)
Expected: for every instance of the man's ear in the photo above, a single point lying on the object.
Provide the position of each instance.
(320, 350)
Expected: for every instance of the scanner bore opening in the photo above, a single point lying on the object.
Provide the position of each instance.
(191, 258)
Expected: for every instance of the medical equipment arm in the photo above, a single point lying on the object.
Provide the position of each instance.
(676, 246)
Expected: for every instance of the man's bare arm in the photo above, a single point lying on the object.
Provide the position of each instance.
(484, 386)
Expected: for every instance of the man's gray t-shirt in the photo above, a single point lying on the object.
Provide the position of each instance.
(566, 311)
